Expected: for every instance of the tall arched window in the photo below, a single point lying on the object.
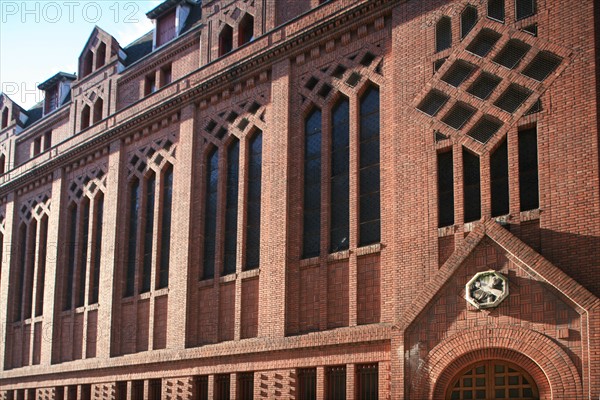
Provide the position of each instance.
(225, 40)
(165, 234)
(312, 185)
(83, 250)
(369, 178)
(254, 200)
(150, 188)
(339, 233)
(88, 63)
(134, 208)
(72, 256)
(210, 214)
(231, 207)
(97, 248)
(443, 34)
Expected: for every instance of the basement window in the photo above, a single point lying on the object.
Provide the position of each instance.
(543, 64)
(483, 42)
(485, 128)
(484, 85)
(459, 115)
(512, 98)
(512, 53)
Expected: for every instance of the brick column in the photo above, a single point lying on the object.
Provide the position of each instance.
(111, 259)
(350, 384)
(8, 251)
(274, 219)
(181, 229)
(211, 386)
(53, 261)
(321, 390)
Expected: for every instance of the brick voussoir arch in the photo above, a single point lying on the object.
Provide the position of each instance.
(551, 368)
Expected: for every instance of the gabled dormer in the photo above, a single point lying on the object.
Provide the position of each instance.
(57, 91)
(11, 114)
(170, 19)
(100, 50)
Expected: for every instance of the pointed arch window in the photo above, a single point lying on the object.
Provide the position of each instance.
(85, 117)
(312, 185)
(246, 30)
(210, 214)
(254, 201)
(98, 109)
(468, 19)
(225, 40)
(443, 34)
(4, 118)
(231, 208)
(339, 233)
(100, 55)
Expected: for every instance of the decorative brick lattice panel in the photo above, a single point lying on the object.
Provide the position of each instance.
(498, 72)
(177, 388)
(35, 207)
(154, 155)
(89, 183)
(104, 391)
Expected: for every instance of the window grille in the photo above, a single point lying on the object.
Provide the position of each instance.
(367, 382)
(201, 388)
(336, 383)
(222, 390)
(245, 386)
(307, 384)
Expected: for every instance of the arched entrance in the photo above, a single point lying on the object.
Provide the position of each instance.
(490, 380)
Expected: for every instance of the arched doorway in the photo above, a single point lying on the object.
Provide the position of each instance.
(490, 380)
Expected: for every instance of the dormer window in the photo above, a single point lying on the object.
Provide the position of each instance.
(4, 118)
(166, 28)
(100, 55)
(98, 106)
(150, 84)
(226, 40)
(85, 117)
(51, 101)
(246, 30)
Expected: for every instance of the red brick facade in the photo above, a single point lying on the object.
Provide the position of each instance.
(156, 225)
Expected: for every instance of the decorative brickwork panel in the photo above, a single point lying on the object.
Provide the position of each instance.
(368, 289)
(309, 299)
(206, 317)
(143, 325)
(445, 248)
(160, 322)
(46, 394)
(275, 385)
(530, 305)
(92, 330)
(78, 337)
(104, 391)
(226, 311)
(249, 319)
(127, 329)
(177, 388)
(337, 295)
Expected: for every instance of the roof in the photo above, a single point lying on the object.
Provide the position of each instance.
(55, 79)
(139, 48)
(35, 113)
(167, 6)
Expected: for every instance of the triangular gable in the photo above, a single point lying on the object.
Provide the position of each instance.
(99, 34)
(535, 264)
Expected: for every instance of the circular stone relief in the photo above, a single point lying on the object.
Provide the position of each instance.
(486, 289)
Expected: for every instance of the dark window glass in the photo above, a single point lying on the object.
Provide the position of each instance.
(443, 34)
(22, 266)
(528, 170)
(368, 382)
(307, 384)
(472, 188)
(134, 206)
(201, 388)
(85, 224)
(231, 210)
(246, 29)
(226, 40)
(370, 209)
(210, 214)
(245, 386)
(31, 244)
(39, 308)
(137, 390)
(222, 390)
(121, 390)
(72, 244)
(339, 235)
(148, 234)
(254, 196)
(445, 187)
(496, 10)
(524, 8)
(154, 389)
(312, 186)
(336, 383)
(165, 236)
(97, 248)
(499, 180)
(468, 19)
